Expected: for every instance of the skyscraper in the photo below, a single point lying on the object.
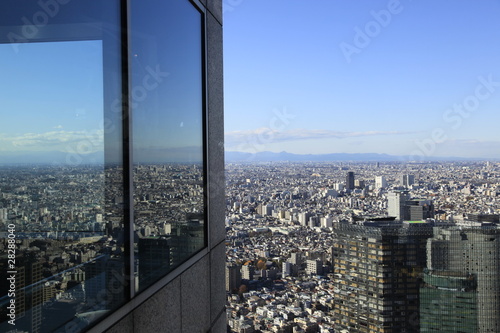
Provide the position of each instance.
(380, 182)
(396, 204)
(448, 302)
(349, 180)
(407, 180)
(233, 277)
(155, 258)
(377, 267)
(462, 280)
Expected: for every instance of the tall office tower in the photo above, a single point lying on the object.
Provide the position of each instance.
(28, 292)
(313, 221)
(32, 292)
(377, 266)
(407, 180)
(380, 182)
(21, 298)
(155, 257)
(462, 288)
(304, 218)
(296, 258)
(326, 222)
(233, 277)
(247, 272)
(286, 268)
(349, 181)
(114, 276)
(95, 279)
(314, 267)
(338, 186)
(185, 238)
(396, 203)
(268, 210)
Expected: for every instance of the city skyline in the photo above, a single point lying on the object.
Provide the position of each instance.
(405, 249)
(394, 77)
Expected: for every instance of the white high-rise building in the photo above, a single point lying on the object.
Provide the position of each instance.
(380, 182)
(396, 203)
(326, 222)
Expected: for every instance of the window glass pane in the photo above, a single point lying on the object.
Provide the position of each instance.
(61, 182)
(167, 108)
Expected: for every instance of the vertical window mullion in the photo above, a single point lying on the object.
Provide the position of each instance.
(127, 152)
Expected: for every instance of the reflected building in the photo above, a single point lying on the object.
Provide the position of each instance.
(187, 238)
(465, 264)
(448, 302)
(155, 258)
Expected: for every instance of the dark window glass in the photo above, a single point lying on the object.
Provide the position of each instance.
(167, 107)
(61, 179)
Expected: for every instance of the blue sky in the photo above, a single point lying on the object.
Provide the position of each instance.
(405, 77)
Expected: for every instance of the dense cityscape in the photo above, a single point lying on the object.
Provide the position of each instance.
(310, 247)
(362, 247)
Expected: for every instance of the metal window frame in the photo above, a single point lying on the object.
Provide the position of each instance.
(135, 299)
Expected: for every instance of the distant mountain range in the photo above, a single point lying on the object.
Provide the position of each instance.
(146, 155)
(51, 157)
(266, 156)
(192, 155)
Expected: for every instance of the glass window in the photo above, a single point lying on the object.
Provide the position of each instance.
(167, 108)
(61, 172)
(73, 159)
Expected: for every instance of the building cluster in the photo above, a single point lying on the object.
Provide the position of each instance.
(363, 247)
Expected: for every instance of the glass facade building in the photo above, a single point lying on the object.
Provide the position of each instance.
(448, 302)
(377, 267)
(416, 277)
(461, 282)
(111, 182)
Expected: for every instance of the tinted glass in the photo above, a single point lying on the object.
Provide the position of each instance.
(167, 108)
(61, 182)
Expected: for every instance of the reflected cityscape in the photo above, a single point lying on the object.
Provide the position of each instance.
(69, 244)
(169, 217)
(69, 239)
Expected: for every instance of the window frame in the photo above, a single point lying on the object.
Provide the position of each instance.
(134, 298)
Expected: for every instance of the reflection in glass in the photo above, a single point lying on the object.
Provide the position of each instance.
(60, 186)
(167, 108)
